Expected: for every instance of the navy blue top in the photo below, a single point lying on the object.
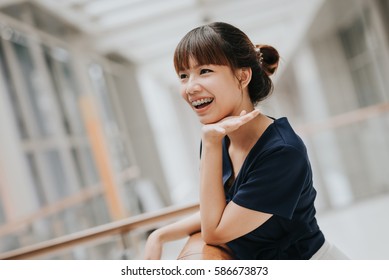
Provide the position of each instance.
(275, 178)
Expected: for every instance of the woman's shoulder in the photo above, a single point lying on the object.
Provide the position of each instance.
(281, 135)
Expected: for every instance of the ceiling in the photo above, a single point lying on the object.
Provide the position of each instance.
(147, 31)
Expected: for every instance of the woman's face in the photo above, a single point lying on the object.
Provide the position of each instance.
(212, 91)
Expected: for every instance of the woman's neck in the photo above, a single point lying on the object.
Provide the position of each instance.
(247, 135)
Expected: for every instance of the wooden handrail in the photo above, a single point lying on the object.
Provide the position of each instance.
(118, 227)
(344, 119)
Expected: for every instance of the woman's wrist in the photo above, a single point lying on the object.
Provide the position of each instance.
(162, 235)
(212, 134)
(211, 139)
(156, 236)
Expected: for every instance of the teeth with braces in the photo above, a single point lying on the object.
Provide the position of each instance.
(201, 101)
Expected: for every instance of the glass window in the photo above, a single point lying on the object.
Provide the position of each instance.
(109, 118)
(42, 229)
(85, 166)
(57, 89)
(17, 110)
(78, 166)
(39, 190)
(366, 86)
(58, 61)
(100, 210)
(38, 96)
(353, 39)
(363, 57)
(91, 173)
(59, 185)
(70, 91)
(96, 74)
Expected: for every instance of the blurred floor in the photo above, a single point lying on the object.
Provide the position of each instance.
(360, 230)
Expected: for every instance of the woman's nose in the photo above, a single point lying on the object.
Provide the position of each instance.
(192, 86)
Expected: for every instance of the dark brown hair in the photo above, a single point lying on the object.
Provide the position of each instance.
(220, 43)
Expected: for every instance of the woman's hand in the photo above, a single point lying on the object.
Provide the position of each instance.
(177, 230)
(216, 131)
(153, 248)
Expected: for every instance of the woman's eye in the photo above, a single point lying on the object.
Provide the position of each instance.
(183, 76)
(204, 71)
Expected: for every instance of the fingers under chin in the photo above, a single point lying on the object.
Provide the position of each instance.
(243, 113)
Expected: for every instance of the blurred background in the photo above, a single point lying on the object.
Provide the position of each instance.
(93, 129)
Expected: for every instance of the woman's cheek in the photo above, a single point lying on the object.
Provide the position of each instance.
(183, 94)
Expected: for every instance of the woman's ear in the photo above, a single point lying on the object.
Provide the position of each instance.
(244, 76)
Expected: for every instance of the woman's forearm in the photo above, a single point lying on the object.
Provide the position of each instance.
(179, 229)
(212, 198)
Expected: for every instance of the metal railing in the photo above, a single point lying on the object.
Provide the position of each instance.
(124, 226)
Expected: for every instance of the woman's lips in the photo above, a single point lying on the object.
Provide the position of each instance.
(202, 103)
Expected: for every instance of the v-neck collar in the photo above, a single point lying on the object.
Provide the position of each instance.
(227, 164)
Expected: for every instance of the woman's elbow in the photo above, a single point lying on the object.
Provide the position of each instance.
(211, 238)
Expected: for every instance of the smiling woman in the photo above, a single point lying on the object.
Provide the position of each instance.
(256, 186)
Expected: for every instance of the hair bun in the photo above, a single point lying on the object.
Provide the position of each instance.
(268, 58)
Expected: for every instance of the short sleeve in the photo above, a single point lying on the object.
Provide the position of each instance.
(273, 184)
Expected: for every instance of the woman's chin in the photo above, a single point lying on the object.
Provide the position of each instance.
(208, 120)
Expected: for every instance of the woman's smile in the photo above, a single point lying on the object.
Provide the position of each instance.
(200, 106)
(202, 103)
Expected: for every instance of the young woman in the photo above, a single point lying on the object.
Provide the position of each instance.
(256, 190)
